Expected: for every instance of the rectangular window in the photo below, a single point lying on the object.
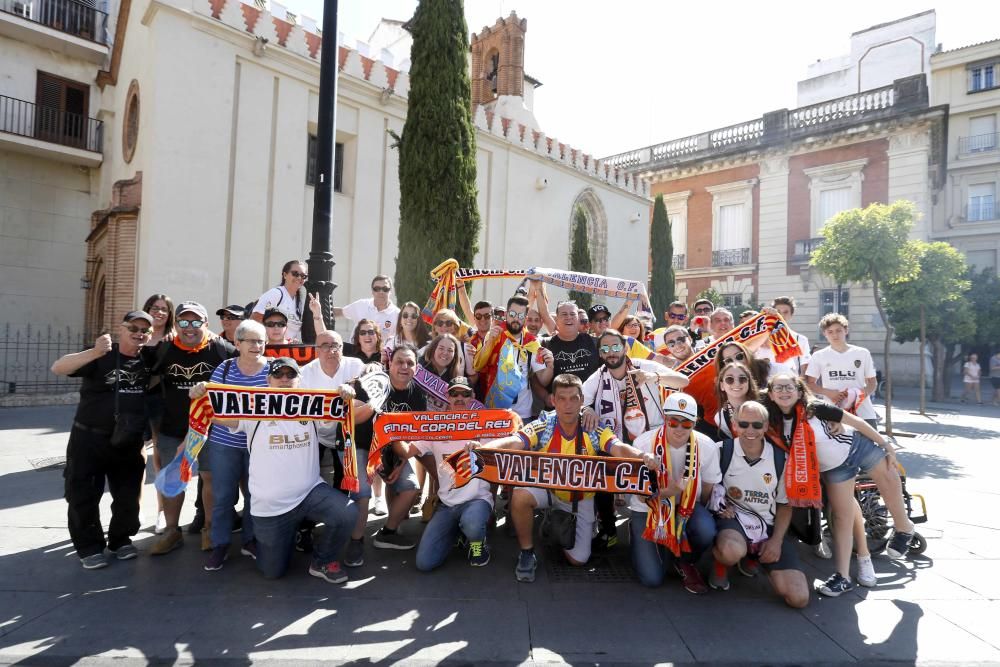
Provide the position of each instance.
(982, 134)
(835, 301)
(982, 77)
(832, 202)
(732, 301)
(982, 198)
(338, 164)
(988, 76)
(61, 108)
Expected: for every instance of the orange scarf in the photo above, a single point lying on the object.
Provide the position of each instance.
(205, 340)
(665, 522)
(802, 480)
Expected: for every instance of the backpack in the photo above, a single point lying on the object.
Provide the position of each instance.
(807, 522)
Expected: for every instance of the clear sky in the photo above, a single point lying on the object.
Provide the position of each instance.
(626, 74)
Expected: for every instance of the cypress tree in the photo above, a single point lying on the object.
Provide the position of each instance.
(661, 245)
(438, 215)
(579, 257)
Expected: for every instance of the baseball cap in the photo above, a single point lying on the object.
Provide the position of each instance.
(283, 362)
(138, 315)
(192, 307)
(461, 382)
(593, 311)
(236, 310)
(681, 405)
(275, 311)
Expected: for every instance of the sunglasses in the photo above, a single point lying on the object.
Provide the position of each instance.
(703, 311)
(409, 316)
(598, 320)
(742, 379)
(677, 316)
(739, 356)
(299, 274)
(230, 318)
(326, 347)
(384, 290)
(674, 422)
(516, 316)
(194, 324)
(784, 388)
(755, 425)
(458, 393)
(251, 341)
(275, 324)
(674, 341)
(158, 309)
(617, 347)
(138, 330)
(445, 323)
(584, 320)
(284, 374)
(367, 332)
(483, 316)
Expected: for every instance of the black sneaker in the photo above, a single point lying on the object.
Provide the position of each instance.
(527, 562)
(394, 540)
(197, 524)
(604, 542)
(354, 555)
(479, 553)
(216, 557)
(898, 545)
(304, 540)
(836, 585)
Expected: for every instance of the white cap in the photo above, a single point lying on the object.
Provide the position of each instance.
(682, 405)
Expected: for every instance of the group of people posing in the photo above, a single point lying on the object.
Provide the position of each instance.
(583, 382)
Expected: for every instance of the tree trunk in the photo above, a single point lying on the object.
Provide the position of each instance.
(923, 362)
(940, 369)
(885, 356)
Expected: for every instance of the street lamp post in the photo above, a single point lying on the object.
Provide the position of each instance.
(321, 251)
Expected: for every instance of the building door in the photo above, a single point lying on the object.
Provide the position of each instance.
(61, 108)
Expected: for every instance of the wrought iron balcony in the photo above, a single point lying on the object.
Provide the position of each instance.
(731, 257)
(980, 211)
(69, 16)
(680, 261)
(48, 124)
(980, 143)
(804, 248)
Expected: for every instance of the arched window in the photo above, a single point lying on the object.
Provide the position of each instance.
(597, 228)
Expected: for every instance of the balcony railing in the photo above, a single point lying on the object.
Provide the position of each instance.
(804, 248)
(980, 143)
(69, 16)
(680, 261)
(48, 124)
(731, 257)
(977, 212)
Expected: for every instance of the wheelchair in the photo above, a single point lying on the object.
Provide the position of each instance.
(878, 519)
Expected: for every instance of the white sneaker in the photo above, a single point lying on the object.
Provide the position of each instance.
(866, 572)
(378, 507)
(161, 523)
(823, 549)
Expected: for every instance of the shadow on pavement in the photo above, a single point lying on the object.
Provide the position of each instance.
(934, 466)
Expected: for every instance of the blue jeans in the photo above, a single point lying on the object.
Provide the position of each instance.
(230, 471)
(276, 534)
(439, 536)
(650, 559)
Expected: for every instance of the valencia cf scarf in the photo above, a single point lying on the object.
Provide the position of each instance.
(802, 478)
(257, 403)
(668, 517)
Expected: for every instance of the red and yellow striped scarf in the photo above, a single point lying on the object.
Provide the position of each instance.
(667, 519)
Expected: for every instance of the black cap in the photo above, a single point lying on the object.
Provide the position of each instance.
(138, 315)
(236, 310)
(594, 310)
(461, 382)
(275, 311)
(283, 362)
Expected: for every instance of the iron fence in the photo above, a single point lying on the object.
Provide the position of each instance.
(26, 354)
(48, 124)
(80, 19)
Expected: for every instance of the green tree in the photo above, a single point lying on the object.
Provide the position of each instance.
(579, 256)
(438, 214)
(870, 244)
(661, 245)
(710, 294)
(984, 298)
(930, 306)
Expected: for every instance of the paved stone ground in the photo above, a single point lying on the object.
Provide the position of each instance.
(941, 607)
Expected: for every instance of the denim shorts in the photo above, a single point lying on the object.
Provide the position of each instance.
(407, 480)
(864, 456)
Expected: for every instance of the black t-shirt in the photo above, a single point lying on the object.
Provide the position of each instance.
(578, 356)
(411, 399)
(180, 370)
(352, 350)
(97, 391)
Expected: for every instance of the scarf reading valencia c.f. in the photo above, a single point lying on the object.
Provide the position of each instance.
(667, 518)
(628, 416)
(258, 403)
(802, 479)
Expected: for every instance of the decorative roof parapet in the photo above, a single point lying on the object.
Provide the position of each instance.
(903, 96)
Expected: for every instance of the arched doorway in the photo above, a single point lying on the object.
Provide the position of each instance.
(597, 228)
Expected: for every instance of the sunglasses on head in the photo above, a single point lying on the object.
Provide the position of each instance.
(284, 374)
(299, 274)
(384, 290)
(409, 316)
(739, 356)
(677, 316)
(755, 425)
(194, 324)
(366, 332)
(674, 422)
(740, 379)
(617, 347)
(138, 330)
(275, 324)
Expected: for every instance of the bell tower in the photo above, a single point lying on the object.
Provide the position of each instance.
(498, 60)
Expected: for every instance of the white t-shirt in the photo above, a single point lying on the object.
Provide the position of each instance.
(314, 377)
(649, 393)
(844, 370)
(970, 372)
(831, 450)
(284, 464)
(791, 367)
(450, 496)
(756, 488)
(279, 298)
(708, 459)
(364, 309)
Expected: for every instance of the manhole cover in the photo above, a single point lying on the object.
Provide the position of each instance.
(613, 568)
(48, 463)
